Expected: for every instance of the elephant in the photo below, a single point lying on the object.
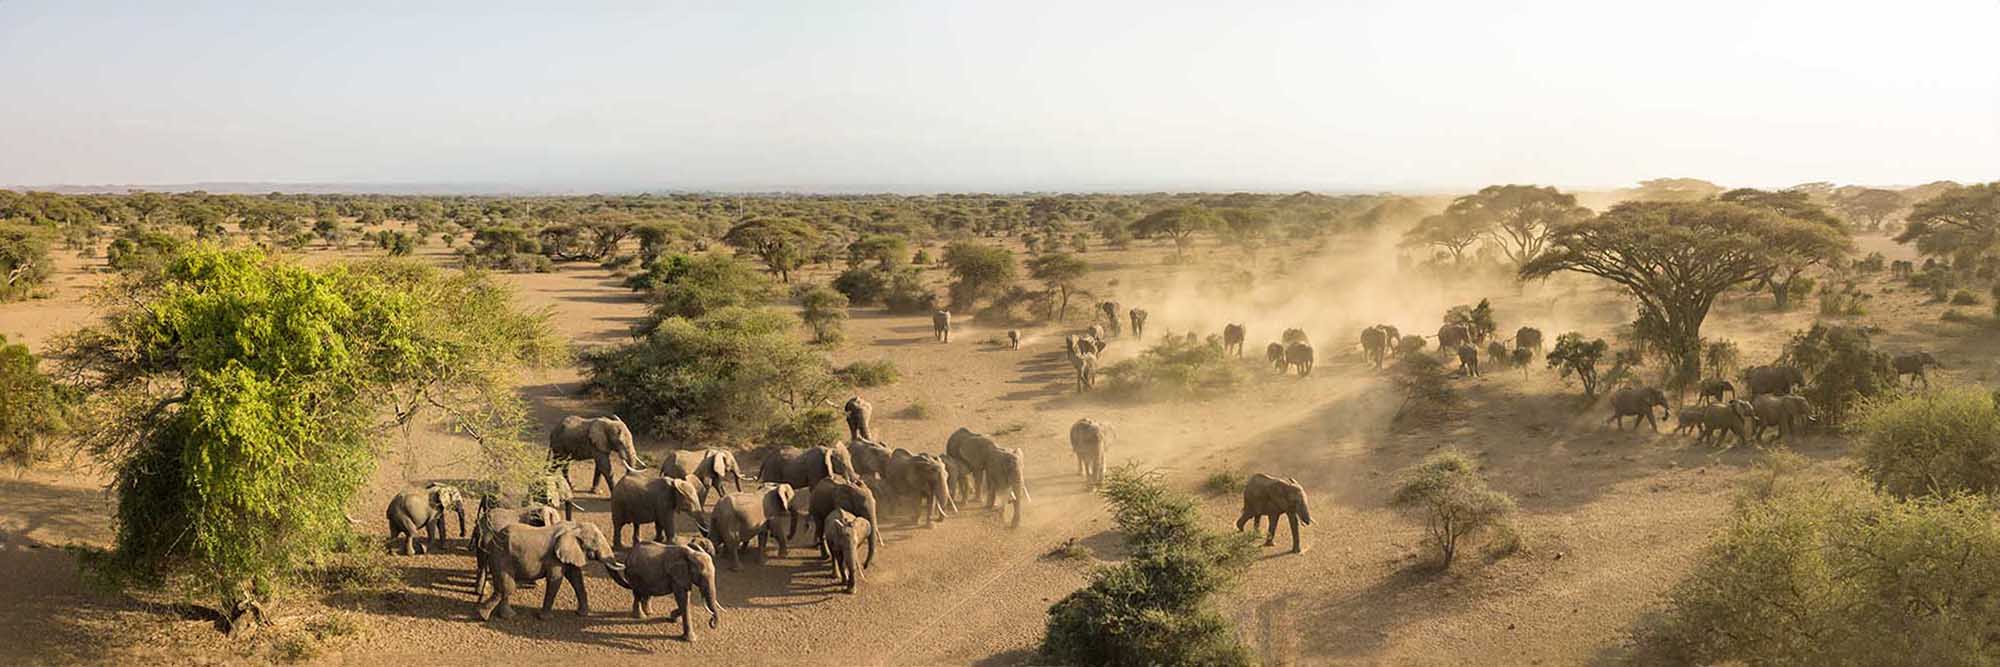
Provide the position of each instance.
(424, 509)
(1138, 316)
(972, 450)
(1468, 360)
(959, 478)
(1375, 345)
(1090, 345)
(1784, 412)
(486, 529)
(1638, 402)
(1085, 365)
(1006, 469)
(859, 413)
(1736, 416)
(1232, 338)
(1521, 358)
(706, 468)
(1411, 345)
(1300, 355)
(1096, 331)
(1451, 336)
(1690, 419)
(1110, 309)
(523, 554)
(1393, 337)
(1715, 388)
(869, 458)
(941, 326)
(594, 439)
(1088, 440)
(842, 543)
(652, 569)
(1773, 379)
(1275, 354)
(1070, 344)
(650, 498)
(1267, 497)
(1294, 336)
(554, 490)
(738, 517)
(924, 479)
(1528, 338)
(835, 493)
(1913, 365)
(803, 467)
(1496, 351)
(1013, 339)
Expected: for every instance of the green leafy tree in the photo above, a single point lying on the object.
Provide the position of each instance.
(823, 310)
(505, 248)
(241, 399)
(1676, 258)
(1572, 355)
(24, 259)
(888, 252)
(1061, 272)
(1247, 228)
(863, 286)
(1871, 204)
(1961, 223)
(727, 376)
(1517, 219)
(1453, 499)
(1789, 269)
(1939, 443)
(1179, 223)
(1842, 368)
(138, 250)
(783, 244)
(691, 286)
(980, 271)
(35, 409)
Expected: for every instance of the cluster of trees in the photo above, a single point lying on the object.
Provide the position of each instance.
(241, 400)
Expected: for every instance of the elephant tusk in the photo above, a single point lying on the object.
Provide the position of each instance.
(614, 565)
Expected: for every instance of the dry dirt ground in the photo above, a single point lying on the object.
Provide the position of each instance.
(1609, 520)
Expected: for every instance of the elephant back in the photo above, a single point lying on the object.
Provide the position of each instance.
(1086, 435)
(973, 449)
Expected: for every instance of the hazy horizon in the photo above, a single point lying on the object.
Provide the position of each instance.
(917, 98)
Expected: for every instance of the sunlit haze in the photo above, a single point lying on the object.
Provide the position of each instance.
(847, 96)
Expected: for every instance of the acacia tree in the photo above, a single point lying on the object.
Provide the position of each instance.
(783, 244)
(1962, 223)
(980, 270)
(1675, 258)
(241, 400)
(1179, 223)
(1871, 204)
(1060, 272)
(1450, 232)
(1517, 218)
(1673, 189)
(1247, 228)
(1790, 266)
(24, 259)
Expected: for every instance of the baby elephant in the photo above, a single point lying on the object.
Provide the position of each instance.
(1265, 496)
(1275, 353)
(424, 509)
(1088, 440)
(652, 569)
(1714, 389)
(844, 535)
(1013, 339)
(524, 554)
(1637, 403)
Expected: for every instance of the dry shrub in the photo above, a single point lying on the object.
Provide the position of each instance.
(1174, 368)
(1448, 493)
(1426, 388)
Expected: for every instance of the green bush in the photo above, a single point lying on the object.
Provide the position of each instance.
(1964, 297)
(824, 311)
(728, 376)
(1937, 443)
(807, 428)
(868, 374)
(1448, 493)
(1174, 368)
(863, 286)
(1820, 570)
(979, 271)
(690, 286)
(907, 294)
(1841, 367)
(241, 401)
(509, 248)
(1426, 389)
(1154, 608)
(34, 410)
(24, 259)
(1222, 483)
(1574, 356)
(141, 251)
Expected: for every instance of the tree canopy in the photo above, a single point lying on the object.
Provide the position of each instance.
(1060, 272)
(784, 244)
(1790, 266)
(1448, 232)
(1961, 223)
(1516, 218)
(1675, 258)
(980, 271)
(1179, 223)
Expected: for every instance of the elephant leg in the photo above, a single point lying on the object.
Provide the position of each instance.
(1271, 539)
(503, 585)
(1246, 517)
(1295, 532)
(575, 577)
(638, 606)
(549, 595)
(819, 535)
(618, 535)
(663, 529)
(478, 575)
(410, 542)
(1649, 422)
(681, 609)
(1018, 507)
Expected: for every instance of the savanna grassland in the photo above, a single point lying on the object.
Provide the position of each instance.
(1590, 566)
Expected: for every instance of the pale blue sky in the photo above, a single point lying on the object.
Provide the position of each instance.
(1000, 95)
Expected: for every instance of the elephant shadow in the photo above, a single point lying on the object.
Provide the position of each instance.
(898, 342)
(421, 604)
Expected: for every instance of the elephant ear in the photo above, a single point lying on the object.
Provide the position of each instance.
(600, 436)
(690, 496)
(569, 551)
(713, 464)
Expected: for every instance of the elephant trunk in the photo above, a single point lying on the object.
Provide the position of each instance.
(617, 572)
(737, 476)
(1305, 514)
(706, 583)
(461, 520)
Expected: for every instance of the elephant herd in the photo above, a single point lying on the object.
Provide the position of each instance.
(1381, 342)
(1719, 413)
